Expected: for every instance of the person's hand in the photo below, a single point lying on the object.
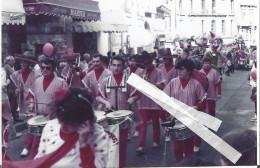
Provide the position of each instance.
(30, 107)
(100, 107)
(108, 106)
(131, 100)
(85, 131)
(17, 91)
(219, 97)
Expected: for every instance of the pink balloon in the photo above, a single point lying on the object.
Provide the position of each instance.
(48, 49)
(253, 75)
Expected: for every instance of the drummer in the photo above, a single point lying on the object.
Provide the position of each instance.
(41, 97)
(73, 139)
(169, 71)
(23, 80)
(116, 94)
(189, 91)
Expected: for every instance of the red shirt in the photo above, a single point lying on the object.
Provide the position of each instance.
(168, 67)
(25, 75)
(99, 72)
(118, 78)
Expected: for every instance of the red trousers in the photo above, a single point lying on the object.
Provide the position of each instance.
(33, 142)
(123, 134)
(212, 107)
(211, 111)
(146, 116)
(181, 147)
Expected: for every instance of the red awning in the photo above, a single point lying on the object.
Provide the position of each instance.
(77, 9)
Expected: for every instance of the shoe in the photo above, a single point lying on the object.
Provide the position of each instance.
(18, 135)
(25, 152)
(140, 150)
(196, 149)
(155, 145)
(168, 124)
(167, 138)
(254, 119)
(136, 134)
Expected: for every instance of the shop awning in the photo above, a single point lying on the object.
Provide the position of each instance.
(13, 12)
(77, 9)
(111, 22)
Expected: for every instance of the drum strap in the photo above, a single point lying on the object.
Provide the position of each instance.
(122, 84)
(108, 85)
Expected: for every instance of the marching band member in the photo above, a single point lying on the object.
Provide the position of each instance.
(189, 91)
(92, 81)
(148, 108)
(169, 71)
(41, 97)
(74, 71)
(133, 68)
(73, 139)
(214, 90)
(23, 80)
(116, 94)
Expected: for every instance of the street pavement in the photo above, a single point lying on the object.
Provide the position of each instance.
(235, 109)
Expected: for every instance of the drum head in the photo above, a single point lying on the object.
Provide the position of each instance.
(100, 117)
(119, 114)
(99, 113)
(38, 120)
(178, 124)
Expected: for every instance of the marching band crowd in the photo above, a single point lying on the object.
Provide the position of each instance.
(68, 98)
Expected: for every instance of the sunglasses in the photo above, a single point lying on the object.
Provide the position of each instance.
(45, 67)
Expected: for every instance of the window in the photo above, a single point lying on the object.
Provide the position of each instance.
(231, 28)
(191, 6)
(202, 26)
(203, 6)
(180, 6)
(213, 6)
(223, 27)
(213, 26)
(232, 6)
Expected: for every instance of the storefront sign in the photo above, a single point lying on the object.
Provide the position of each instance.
(77, 13)
(13, 18)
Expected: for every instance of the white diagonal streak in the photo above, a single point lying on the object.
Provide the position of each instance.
(194, 122)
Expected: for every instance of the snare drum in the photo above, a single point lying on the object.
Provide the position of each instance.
(180, 131)
(101, 118)
(121, 117)
(36, 125)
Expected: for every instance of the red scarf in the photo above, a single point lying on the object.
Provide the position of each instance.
(168, 67)
(133, 69)
(48, 160)
(184, 82)
(118, 78)
(47, 82)
(206, 70)
(99, 72)
(25, 75)
(149, 71)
